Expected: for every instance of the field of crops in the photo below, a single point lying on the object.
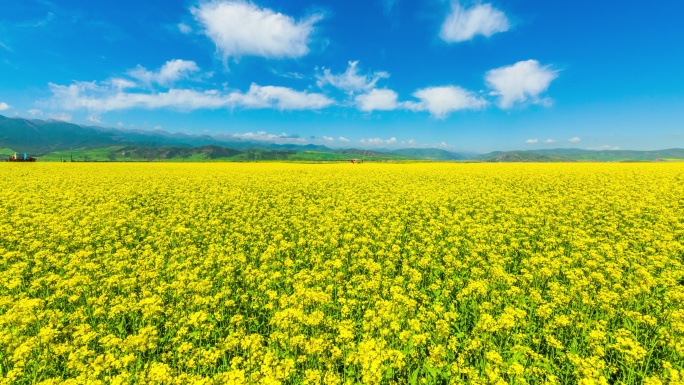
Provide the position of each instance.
(342, 274)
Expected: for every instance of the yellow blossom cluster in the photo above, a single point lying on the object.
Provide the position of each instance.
(341, 274)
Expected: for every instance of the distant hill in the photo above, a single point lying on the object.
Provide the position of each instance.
(577, 155)
(57, 140)
(430, 153)
(519, 156)
(51, 140)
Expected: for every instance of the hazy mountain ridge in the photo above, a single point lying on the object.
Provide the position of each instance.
(578, 155)
(57, 140)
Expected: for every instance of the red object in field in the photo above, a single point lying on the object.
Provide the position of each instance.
(14, 158)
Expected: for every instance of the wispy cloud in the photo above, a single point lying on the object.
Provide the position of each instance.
(464, 24)
(5, 46)
(575, 139)
(184, 28)
(521, 82)
(604, 147)
(549, 141)
(240, 28)
(389, 5)
(263, 136)
(62, 116)
(532, 141)
(443, 100)
(35, 112)
(350, 80)
(343, 139)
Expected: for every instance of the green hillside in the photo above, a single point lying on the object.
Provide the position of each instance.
(205, 153)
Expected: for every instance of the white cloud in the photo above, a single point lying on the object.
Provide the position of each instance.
(575, 139)
(281, 98)
(94, 119)
(122, 84)
(170, 72)
(184, 28)
(103, 98)
(4, 106)
(441, 101)
(531, 141)
(260, 135)
(119, 124)
(550, 141)
(35, 112)
(378, 141)
(350, 80)
(239, 28)
(263, 136)
(343, 139)
(464, 24)
(377, 99)
(63, 116)
(521, 82)
(604, 147)
(328, 138)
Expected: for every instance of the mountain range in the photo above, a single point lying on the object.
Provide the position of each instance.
(51, 140)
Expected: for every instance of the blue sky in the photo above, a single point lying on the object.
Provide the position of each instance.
(468, 75)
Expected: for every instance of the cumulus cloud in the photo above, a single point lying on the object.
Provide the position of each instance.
(532, 141)
(377, 100)
(521, 82)
(575, 139)
(350, 80)
(377, 141)
(464, 24)
(549, 141)
(4, 106)
(443, 100)
(343, 139)
(239, 28)
(328, 138)
(170, 72)
(103, 98)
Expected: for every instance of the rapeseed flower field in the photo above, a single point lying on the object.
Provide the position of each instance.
(342, 274)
